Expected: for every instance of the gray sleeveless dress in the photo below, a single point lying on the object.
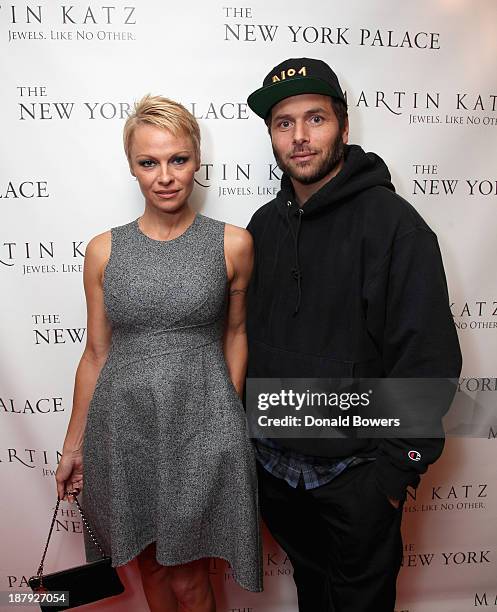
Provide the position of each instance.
(166, 451)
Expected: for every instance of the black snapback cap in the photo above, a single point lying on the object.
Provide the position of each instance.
(291, 78)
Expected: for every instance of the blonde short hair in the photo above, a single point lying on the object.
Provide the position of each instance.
(163, 113)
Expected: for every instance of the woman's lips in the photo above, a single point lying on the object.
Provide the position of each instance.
(166, 195)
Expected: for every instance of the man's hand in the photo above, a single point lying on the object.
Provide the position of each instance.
(395, 502)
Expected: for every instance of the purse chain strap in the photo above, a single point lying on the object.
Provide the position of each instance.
(39, 573)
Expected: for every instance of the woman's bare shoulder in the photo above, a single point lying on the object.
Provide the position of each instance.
(238, 241)
(98, 251)
(100, 244)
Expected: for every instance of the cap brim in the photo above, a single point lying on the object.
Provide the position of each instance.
(263, 99)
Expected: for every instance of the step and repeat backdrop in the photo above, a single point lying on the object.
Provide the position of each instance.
(421, 83)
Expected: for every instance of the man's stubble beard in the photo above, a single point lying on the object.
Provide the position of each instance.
(333, 157)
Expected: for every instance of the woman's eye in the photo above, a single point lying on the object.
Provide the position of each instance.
(146, 163)
(180, 160)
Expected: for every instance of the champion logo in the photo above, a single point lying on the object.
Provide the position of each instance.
(414, 455)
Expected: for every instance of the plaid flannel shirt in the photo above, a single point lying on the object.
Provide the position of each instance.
(291, 466)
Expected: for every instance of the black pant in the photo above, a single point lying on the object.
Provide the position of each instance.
(343, 540)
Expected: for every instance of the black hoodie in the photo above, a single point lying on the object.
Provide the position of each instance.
(352, 285)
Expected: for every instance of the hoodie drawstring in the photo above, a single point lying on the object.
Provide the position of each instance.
(296, 273)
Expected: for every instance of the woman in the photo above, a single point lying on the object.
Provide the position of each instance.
(157, 426)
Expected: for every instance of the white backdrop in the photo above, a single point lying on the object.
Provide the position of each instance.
(421, 83)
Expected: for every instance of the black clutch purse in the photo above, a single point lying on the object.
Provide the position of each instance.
(84, 584)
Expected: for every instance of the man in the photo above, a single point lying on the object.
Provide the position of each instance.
(348, 282)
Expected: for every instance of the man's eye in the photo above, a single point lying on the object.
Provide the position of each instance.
(146, 163)
(284, 124)
(316, 119)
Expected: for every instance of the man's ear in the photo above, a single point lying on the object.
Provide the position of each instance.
(345, 133)
(267, 121)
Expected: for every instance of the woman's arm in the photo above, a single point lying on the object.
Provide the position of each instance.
(238, 249)
(69, 473)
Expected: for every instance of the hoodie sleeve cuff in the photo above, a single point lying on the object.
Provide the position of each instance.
(392, 481)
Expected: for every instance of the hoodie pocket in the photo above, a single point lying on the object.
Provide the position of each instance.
(271, 362)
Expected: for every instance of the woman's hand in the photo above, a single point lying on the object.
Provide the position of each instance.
(69, 474)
